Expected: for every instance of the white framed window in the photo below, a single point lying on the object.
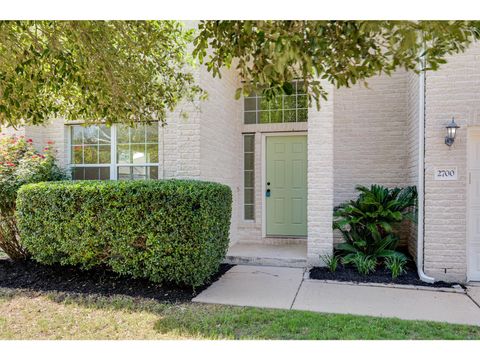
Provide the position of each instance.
(99, 152)
(285, 108)
(90, 152)
(137, 152)
(249, 176)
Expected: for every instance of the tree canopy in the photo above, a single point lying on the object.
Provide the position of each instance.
(268, 55)
(137, 71)
(112, 71)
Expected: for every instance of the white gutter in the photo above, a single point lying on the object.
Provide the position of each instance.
(421, 179)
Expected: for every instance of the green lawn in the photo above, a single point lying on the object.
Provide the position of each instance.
(26, 315)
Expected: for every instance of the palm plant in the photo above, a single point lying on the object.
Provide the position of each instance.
(367, 223)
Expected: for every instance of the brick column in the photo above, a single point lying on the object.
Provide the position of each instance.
(320, 179)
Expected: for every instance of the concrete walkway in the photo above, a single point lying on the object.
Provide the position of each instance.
(286, 288)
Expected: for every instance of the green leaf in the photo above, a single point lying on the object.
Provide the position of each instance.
(238, 93)
(272, 53)
(46, 73)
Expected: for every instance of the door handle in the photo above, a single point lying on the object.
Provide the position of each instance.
(267, 193)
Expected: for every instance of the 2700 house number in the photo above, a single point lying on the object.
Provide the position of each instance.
(449, 173)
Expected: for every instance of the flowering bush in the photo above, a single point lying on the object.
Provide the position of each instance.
(20, 164)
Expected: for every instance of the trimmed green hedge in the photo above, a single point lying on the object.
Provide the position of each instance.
(166, 231)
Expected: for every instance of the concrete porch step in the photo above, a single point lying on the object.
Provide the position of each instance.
(290, 255)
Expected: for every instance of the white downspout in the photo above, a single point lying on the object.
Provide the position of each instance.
(421, 179)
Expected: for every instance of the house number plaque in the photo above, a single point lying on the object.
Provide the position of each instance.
(446, 173)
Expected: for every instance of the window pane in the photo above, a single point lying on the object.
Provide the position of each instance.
(91, 173)
(90, 135)
(250, 117)
(138, 154)
(124, 172)
(290, 115)
(141, 147)
(104, 134)
(249, 142)
(123, 154)
(302, 101)
(263, 103)
(90, 154)
(290, 102)
(153, 172)
(152, 133)
(250, 104)
(104, 173)
(78, 173)
(85, 148)
(104, 154)
(248, 179)
(249, 196)
(249, 212)
(138, 134)
(276, 116)
(282, 108)
(77, 154)
(139, 173)
(276, 104)
(94, 147)
(152, 153)
(264, 117)
(77, 134)
(302, 115)
(123, 134)
(248, 161)
(249, 176)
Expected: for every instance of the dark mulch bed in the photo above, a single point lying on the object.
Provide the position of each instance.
(100, 281)
(350, 274)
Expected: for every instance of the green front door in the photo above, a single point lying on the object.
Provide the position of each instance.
(286, 185)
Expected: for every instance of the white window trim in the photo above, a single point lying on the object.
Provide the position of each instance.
(244, 219)
(257, 111)
(113, 153)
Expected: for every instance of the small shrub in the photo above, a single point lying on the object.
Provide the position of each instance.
(396, 265)
(367, 223)
(365, 264)
(20, 164)
(331, 261)
(167, 231)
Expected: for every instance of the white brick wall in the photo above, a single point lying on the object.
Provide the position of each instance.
(370, 135)
(412, 148)
(371, 131)
(8, 131)
(54, 131)
(320, 178)
(221, 141)
(454, 90)
(180, 137)
(180, 152)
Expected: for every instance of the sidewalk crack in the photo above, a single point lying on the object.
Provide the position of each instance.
(468, 295)
(298, 290)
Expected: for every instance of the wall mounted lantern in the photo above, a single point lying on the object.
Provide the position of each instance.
(451, 132)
